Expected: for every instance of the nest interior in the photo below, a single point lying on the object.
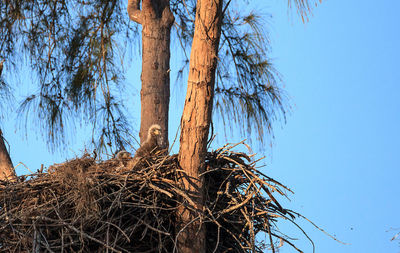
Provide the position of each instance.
(88, 206)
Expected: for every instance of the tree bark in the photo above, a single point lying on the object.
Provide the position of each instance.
(6, 167)
(196, 119)
(156, 19)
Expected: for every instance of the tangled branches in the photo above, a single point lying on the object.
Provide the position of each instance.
(85, 206)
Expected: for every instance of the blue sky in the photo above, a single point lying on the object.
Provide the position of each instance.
(338, 150)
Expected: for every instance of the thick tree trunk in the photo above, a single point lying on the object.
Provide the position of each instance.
(196, 120)
(156, 19)
(6, 166)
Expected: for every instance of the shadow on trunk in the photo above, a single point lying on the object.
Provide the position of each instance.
(6, 167)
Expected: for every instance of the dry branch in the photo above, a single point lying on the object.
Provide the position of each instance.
(88, 206)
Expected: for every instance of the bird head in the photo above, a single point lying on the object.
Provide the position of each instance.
(155, 130)
(154, 133)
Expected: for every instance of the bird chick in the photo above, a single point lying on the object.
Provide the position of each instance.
(152, 143)
(123, 155)
(150, 146)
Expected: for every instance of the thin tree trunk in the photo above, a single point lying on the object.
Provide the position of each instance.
(6, 167)
(156, 19)
(196, 121)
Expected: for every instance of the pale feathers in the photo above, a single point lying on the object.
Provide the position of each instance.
(123, 155)
(152, 143)
(149, 147)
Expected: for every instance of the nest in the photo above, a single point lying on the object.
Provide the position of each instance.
(88, 206)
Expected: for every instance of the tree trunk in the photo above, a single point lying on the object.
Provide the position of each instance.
(196, 121)
(156, 19)
(6, 167)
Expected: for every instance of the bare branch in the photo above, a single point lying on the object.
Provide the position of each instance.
(134, 12)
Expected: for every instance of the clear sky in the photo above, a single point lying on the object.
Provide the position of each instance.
(339, 149)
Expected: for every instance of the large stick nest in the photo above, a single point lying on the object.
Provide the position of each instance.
(88, 206)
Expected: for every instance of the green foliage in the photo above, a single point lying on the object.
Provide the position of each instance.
(247, 91)
(6, 96)
(76, 49)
